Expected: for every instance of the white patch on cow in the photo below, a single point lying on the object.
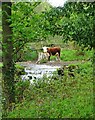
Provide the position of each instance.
(44, 49)
(42, 55)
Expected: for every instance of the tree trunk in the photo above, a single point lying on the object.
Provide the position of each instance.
(7, 57)
(93, 77)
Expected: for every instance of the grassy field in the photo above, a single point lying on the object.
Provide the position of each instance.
(60, 97)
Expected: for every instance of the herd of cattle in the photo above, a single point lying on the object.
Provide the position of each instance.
(48, 52)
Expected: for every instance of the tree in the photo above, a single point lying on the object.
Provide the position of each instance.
(8, 63)
(20, 25)
(27, 24)
(75, 21)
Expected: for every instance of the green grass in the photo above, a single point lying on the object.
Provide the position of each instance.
(61, 97)
(0, 95)
(0, 55)
(71, 55)
(1, 64)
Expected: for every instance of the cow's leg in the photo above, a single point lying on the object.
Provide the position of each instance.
(49, 57)
(46, 56)
(39, 57)
(58, 56)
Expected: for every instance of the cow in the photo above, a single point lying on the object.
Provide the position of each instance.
(52, 51)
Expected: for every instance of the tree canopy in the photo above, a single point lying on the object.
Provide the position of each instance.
(75, 21)
(27, 23)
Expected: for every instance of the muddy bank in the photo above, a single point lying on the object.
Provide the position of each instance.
(51, 63)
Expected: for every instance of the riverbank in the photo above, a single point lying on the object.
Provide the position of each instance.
(61, 97)
(52, 63)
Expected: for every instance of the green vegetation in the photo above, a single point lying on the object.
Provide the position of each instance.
(67, 53)
(1, 65)
(70, 55)
(30, 56)
(0, 95)
(59, 97)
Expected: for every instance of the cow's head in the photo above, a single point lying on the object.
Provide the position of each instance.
(44, 49)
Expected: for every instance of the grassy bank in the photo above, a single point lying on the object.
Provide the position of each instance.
(59, 97)
(71, 55)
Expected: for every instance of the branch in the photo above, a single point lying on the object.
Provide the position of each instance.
(19, 48)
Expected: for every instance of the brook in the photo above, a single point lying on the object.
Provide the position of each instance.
(37, 71)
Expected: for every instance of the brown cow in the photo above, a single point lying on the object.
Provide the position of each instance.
(52, 51)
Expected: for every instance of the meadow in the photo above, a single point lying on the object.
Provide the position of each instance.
(60, 96)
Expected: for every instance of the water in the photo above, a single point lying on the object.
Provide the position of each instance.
(35, 71)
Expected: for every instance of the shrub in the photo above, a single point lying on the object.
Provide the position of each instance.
(19, 70)
(20, 87)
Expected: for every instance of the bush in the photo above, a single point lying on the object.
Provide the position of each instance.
(30, 55)
(27, 54)
(19, 70)
(80, 52)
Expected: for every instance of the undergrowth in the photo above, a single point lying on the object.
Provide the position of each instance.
(58, 97)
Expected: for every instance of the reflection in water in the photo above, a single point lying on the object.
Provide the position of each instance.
(35, 72)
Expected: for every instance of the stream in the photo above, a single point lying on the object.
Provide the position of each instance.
(36, 71)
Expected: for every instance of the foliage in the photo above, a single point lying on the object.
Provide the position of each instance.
(27, 53)
(20, 87)
(30, 56)
(1, 65)
(19, 70)
(27, 24)
(74, 21)
(59, 97)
